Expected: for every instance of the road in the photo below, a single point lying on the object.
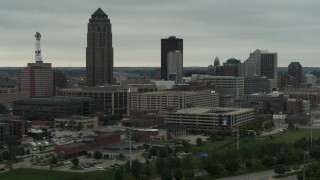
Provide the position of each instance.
(264, 175)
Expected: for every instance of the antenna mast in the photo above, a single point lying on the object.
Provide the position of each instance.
(38, 48)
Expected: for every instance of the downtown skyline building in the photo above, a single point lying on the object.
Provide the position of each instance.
(37, 78)
(99, 51)
(295, 70)
(261, 63)
(171, 44)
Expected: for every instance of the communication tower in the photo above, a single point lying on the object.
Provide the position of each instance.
(38, 48)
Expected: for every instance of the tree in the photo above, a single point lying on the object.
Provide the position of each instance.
(136, 168)
(199, 142)
(280, 169)
(75, 162)
(27, 151)
(89, 155)
(213, 136)
(121, 156)
(290, 126)
(54, 160)
(97, 155)
(118, 174)
(212, 167)
(166, 175)
(232, 166)
(6, 155)
(160, 164)
(189, 174)
(20, 151)
(178, 174)
(106, 156)
(186, 164)
(164, 152)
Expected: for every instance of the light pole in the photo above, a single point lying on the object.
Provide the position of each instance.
(304, 165)
(238, 135)
(130, 153)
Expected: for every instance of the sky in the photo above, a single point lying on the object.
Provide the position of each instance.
(209, 28)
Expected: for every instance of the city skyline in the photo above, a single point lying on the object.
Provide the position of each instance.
(209, 29)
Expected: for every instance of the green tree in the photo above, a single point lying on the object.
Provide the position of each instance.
(280, 169)
(97, 155)
(89, 155)
(166, 175)
(178, 174)
(75, 162)
(136, 168)
(61, 124)
(199, 142)
(106, 156)
(118, 175)
(6, 155)
(232, 165)
(54, 160)
(160, 164)
(121, 156)
(164, 152)
(27, 151)
(186, 164)
(189, 174)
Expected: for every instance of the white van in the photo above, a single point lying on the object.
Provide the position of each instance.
(99, 168)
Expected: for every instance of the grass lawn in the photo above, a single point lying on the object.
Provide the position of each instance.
(287, 137)
(39, 174)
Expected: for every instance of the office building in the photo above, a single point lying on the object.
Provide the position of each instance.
(37, 78)
(175, 66)
(110, 99)
(256, 84)
(10, 93)
(99, 51)
(173, 100)
(261, 63)
(230, 67)
(223, 84)
(74, 122)
(170, 44)
(55, 106)
(295, 70)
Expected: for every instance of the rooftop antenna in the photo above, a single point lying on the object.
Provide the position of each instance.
(38, 58)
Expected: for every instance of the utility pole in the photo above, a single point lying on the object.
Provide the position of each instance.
(304, 165)
(238, 135)
(130, 153)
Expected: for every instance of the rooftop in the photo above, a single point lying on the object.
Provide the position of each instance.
(213, 110)
(171, 127)
(99, 13)
(56, 100)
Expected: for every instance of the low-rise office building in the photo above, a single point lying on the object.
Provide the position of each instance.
(173, 100)
(77, 121)
(56, 106)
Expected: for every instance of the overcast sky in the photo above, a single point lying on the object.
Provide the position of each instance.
(209, 28)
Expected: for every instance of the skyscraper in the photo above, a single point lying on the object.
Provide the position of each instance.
(170, 44)
(99, 51)
(261, 63)
(295, 70)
